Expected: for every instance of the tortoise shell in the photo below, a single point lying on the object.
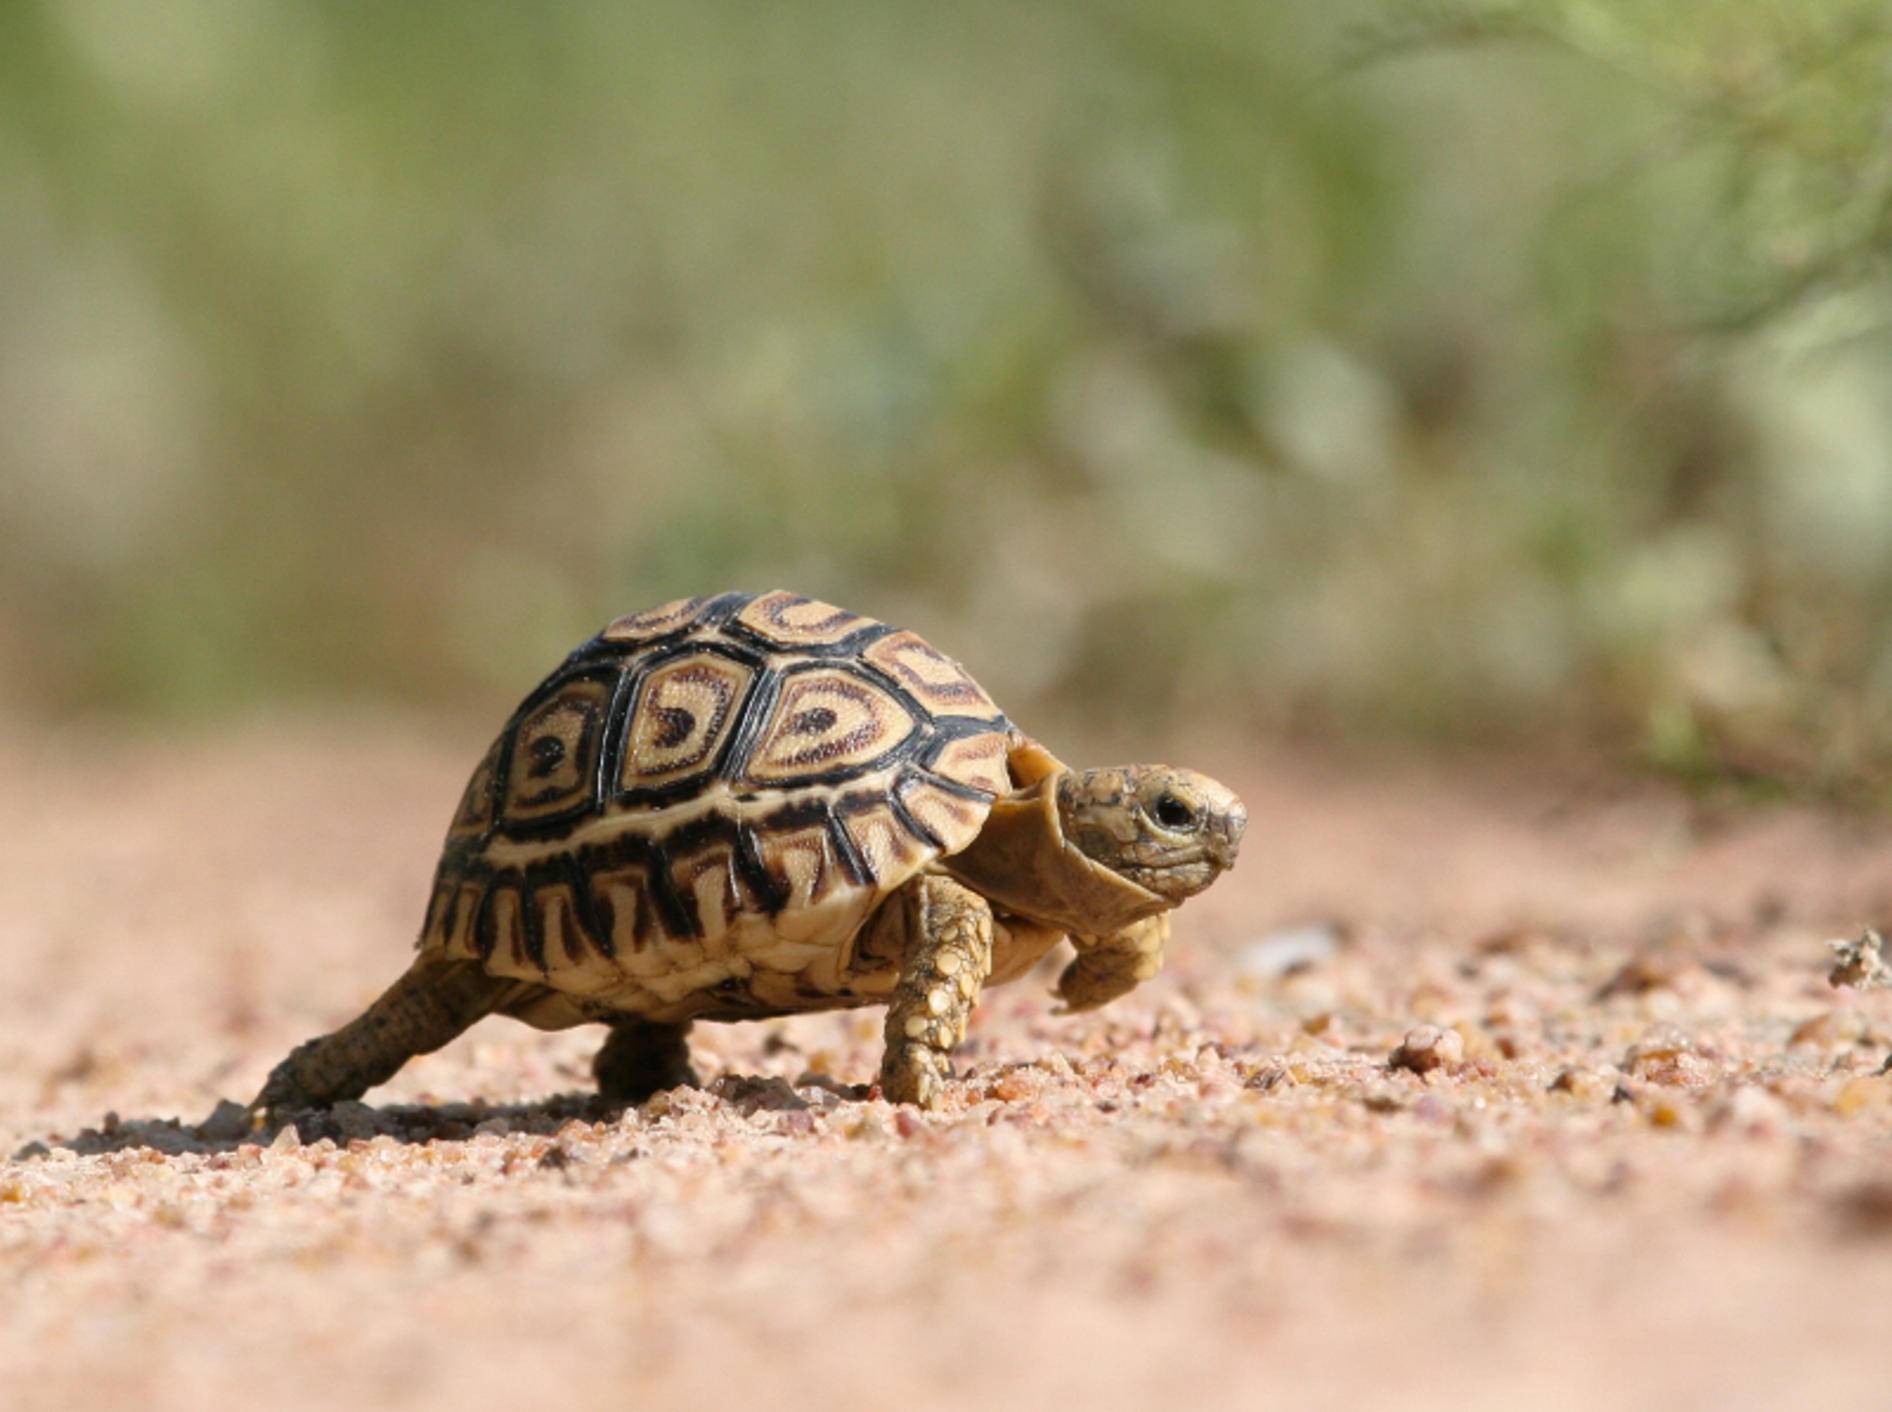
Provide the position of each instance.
(694, 813)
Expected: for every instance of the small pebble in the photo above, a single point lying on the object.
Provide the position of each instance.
(1751, 1111)
(1011, 1086)
(1291, 949)
(1862, 1094)
(1831, 1029)
(1868, 1207)
(1428, 1047)
(1661, 969)
(1860, 963)
(1665, 1055)
(226, 1121)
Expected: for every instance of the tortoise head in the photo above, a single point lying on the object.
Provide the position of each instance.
(1091, 851)
(1170, 831)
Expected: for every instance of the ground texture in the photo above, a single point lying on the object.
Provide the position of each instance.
(1473, 1086)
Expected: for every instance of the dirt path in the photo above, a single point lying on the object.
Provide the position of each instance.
(1648, 1162)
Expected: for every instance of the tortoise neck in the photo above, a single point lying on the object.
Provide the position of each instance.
(1025, 865)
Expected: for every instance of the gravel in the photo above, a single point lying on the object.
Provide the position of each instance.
(1559, 1110)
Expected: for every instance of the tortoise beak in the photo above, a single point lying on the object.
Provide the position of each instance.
(1224, 837)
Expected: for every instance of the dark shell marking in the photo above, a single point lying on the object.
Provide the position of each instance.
(842, 752)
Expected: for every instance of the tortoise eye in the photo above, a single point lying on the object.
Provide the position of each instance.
(1172, 813)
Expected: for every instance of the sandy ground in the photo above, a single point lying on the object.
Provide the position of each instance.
(1643, 1158)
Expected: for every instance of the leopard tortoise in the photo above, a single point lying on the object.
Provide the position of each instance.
(750, 805)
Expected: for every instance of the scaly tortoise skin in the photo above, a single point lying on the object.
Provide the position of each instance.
(760, 804)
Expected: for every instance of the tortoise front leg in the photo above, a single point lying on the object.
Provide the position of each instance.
(641, 1057)
(948, 955)
(1109, 966)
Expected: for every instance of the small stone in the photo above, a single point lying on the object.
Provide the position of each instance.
(1868, 1207)
(287, 1140)
(1661, 969)
(1010, 1086)
(1860, 963)
(1658, 1042)
(1859, 1095)
(949, 963)
(1268, 1078)
(1478, 1043)
(1582, 1083)
(1664, 1055)
(1427, 1047)
(226, 1121)
(1664, 1112)
(916, 1026)
(354, 1118)
(1751, 1111)
(1831, 1029)
(1281, 953)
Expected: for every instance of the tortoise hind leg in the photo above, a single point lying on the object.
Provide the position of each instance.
(430, 1004)
(642, 1057)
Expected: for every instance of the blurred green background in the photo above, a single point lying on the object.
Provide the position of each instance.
(1445, 371)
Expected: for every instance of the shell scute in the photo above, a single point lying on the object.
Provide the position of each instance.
(787, 620)
(948, 818)
(573, 947)
(802, 864)
(497, 931)
(826, 721)
(476, 812)
(887, 848)
(936, 681)
(652, 623)
(974, 761)
(707, 880)
(622, 899)
(686, 711)
(555, 749)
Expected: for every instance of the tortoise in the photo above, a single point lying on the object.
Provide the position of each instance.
(749, 805)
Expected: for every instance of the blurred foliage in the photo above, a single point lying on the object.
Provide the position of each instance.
(1461, 369)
